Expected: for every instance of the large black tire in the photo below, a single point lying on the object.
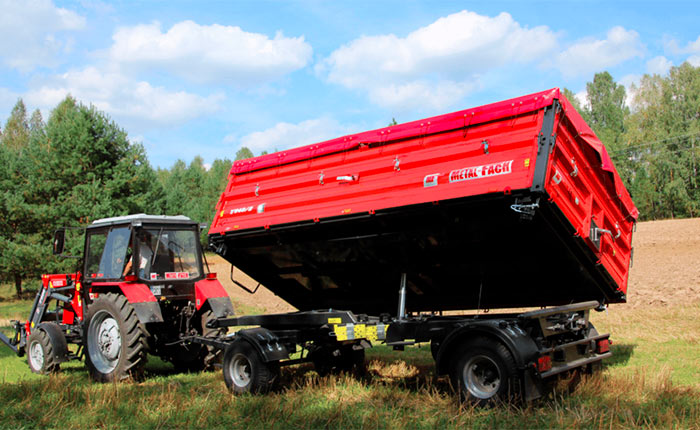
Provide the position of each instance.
(434, 348)
(483, 371)
(336, 360)
(193, 357)
(114, 339)
(41, 356)
(246, 372)
(213, 357)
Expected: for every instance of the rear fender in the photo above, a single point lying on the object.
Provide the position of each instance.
(265, 342)
(144, 302)
(520, 345)
(138, 295)
(211, 292)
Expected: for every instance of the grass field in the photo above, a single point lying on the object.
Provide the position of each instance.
(652, 381)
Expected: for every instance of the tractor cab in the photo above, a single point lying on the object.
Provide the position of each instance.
(143, 248)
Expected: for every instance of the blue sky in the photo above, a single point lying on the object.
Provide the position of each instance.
(207, 77)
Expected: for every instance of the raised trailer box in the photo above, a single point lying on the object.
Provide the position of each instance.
(512, 204)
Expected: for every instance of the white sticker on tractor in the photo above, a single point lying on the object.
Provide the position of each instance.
(483, 171)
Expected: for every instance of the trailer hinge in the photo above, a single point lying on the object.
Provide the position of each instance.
(525, 208)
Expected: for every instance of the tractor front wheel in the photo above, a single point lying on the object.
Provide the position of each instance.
(40, 353)
(115, 340)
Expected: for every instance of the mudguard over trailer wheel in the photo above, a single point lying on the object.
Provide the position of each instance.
(245, 371)
(115, 341)
(45, 346)
(484, 373)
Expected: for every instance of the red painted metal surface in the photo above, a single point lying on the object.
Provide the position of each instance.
(583, 183)
(486, 150)
(134, 292)
(208, 289)
(75, 310)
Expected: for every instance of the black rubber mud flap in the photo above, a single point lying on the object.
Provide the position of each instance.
(148, 312)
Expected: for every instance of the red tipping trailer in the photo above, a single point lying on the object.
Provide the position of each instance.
(511, 204)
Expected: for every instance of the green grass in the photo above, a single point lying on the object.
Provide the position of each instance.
(651, 382)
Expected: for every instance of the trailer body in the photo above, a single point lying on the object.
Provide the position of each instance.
(512, 204)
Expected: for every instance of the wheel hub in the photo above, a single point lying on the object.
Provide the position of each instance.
(240, 370)
(36, 354)
(109, 339)
(104, 342)
(481, 377)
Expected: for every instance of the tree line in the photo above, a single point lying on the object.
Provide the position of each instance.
(80, 166)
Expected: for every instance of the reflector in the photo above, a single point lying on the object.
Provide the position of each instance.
(544, 363)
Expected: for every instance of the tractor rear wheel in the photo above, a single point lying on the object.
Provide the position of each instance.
(115, 340)
(40, 353)
(194, 357)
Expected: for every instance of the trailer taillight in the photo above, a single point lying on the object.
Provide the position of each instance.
(603, 346)
(544, 363)
(211, 275)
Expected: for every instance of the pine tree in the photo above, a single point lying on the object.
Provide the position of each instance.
(20, 223)
(243, 153)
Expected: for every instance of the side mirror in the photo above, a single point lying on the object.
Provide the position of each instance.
(59, 240)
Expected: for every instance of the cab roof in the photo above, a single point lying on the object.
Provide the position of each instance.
(135, 219)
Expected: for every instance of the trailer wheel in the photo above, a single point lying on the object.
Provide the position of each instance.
(245, 371)
(115, 340)
(484, 373)
(434, 348)
(41, 356)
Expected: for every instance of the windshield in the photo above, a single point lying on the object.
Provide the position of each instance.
(107, 251)
(165, 253)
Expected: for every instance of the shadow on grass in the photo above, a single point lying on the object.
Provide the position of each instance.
(621, 354)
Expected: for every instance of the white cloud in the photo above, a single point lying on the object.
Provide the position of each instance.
(631, 83)
(417, 94)
(209, 53)
(659, 65)
(582, 98)
(674, 47)
(123, 98)
(591, 55)
(439, 63)
(284, 135)
(31, 33)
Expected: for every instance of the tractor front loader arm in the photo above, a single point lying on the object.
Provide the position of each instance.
(18, 340)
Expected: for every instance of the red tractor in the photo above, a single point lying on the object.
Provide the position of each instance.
(142, 288)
